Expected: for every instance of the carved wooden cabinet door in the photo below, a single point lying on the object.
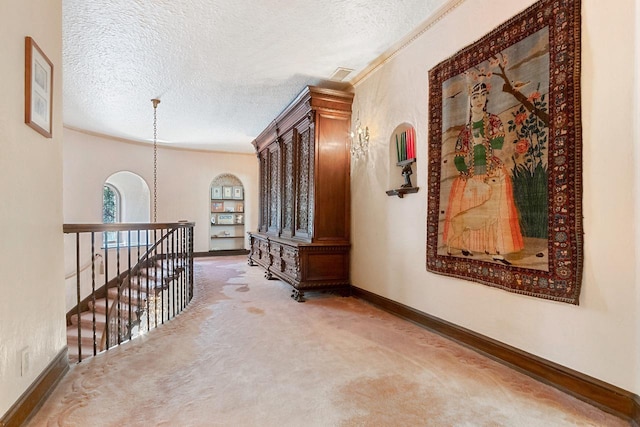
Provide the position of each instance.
(288, 190)
(263, 158)
(304, 180)
(273, 190)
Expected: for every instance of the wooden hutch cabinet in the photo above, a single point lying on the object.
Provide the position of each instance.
(304, 220)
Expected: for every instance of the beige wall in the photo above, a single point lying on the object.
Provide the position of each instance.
(634, 193)
(184, 179)
(31, 260)
(600, 337)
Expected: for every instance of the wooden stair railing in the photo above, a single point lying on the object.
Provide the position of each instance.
(146, 284)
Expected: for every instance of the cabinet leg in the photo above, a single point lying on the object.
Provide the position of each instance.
(251, 263)
(268, 275)
(297, 295)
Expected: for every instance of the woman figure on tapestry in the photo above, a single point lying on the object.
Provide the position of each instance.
(481, 214)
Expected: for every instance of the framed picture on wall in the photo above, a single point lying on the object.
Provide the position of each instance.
(216, 192)
(237, 192)
(226, 218)
(38, 92)
(227, 192)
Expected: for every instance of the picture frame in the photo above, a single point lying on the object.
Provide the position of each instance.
(217, 207)
(227, 192)
(216, 192)
(508, 215)
(38, 89)
(238, 192)
(226, 218)
(240, 207)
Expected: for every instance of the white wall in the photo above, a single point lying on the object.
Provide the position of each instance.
(184, 179)
(600, 337)
(135, 197)
(31, 259)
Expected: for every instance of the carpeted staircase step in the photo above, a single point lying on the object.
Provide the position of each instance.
(143, 283)
(169, 268)
(136, 295)
(86, 320)
(86, 337)
(153, 277)
(101, 305)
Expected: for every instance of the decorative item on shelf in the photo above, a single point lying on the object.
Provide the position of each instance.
(216, 192)
(226, 218)
(239, 207)
(213, 219)
(217, 207)
(239, 218)
(406, 156)
(227, 192)
(359, 145)
(238, 192)
(406, 145)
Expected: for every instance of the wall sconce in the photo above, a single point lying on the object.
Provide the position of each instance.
(359, 141)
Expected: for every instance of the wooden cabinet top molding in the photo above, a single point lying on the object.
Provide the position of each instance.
(311, 98)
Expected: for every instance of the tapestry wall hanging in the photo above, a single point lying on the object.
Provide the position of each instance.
(505, 165)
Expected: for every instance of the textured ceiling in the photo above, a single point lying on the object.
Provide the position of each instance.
(223, 69)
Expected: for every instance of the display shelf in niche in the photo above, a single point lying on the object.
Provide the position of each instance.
(405, 154)
(227, 215)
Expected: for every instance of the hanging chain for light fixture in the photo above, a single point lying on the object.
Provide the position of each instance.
(155, 159)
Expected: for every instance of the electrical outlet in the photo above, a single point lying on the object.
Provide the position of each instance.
(24, 361)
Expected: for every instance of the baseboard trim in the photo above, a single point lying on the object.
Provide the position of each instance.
(38, 391)
(607, 397)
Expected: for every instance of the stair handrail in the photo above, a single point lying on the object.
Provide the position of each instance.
(124, 226)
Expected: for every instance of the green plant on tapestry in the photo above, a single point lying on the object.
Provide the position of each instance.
(530, 172)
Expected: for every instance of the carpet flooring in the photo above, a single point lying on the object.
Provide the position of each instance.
(244, 353)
